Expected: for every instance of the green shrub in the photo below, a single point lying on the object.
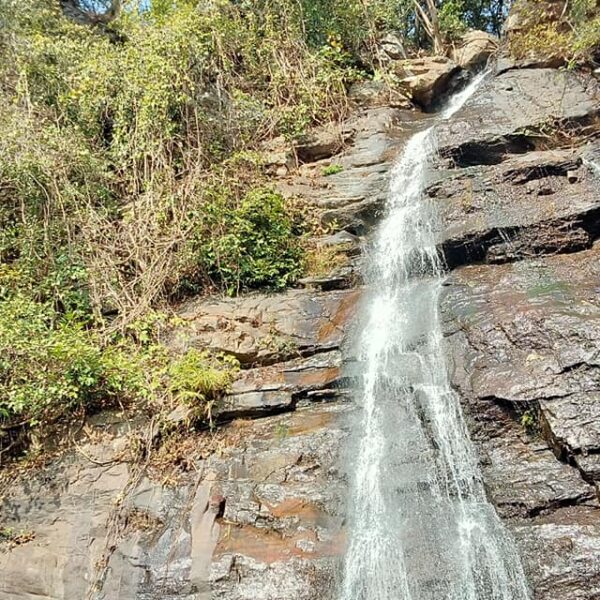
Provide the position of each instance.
(586, 41)
(50, 367)
(451, 18)
(541, 40)
(254, 244)
(112, 140)
(529, 422)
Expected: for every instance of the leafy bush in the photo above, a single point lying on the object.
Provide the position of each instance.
(51, 367)
(256, 242)
(451, 18)
(585, 43)
(112, 143)
(543, 40)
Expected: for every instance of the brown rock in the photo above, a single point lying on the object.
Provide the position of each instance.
(373, 94)
(427, 79)
(475, 49)
(320, 143)
(262, 329)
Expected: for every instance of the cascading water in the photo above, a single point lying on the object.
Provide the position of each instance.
(420, 525)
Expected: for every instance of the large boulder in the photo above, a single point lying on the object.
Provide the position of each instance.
(321, 142)
(391, 47)
(429, 78)
(475, 49)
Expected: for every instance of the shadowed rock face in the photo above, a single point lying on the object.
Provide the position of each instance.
(258, 512)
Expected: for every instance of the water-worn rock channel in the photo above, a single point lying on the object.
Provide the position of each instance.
(264, 518)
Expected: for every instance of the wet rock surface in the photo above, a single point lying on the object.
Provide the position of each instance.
(262, 329)
(524, 340)
(353, 198)
(517, 111)
(543, 202)
(522, 326)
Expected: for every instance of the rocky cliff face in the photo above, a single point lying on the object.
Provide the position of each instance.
(256, 511)
(520, 196)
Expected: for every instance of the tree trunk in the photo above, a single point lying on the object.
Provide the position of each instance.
(429, 20)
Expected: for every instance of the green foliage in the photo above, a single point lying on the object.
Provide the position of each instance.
(256, 245)
(585, 44)
(129, 176)
(529, 422)
(199, 378)
(51, 366)
(544, 39)
(574, 38)
(112, 143)
(451, 17)
(332, 170)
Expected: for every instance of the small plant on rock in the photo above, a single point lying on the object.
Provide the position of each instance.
(332, 170)
(529, 422)
(12, 537)
(199, 378)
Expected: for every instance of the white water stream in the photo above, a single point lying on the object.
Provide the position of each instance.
(420, 526)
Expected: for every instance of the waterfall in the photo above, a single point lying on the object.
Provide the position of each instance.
(420, 526)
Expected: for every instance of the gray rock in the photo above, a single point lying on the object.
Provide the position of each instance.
(526, 206)
(523, 339)
(277, 388)
(374, 94)
(502, 117)
(392, 47)
(321, 143)
(572, 424)
(353, 199)
(561, 554)
(259, 519)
